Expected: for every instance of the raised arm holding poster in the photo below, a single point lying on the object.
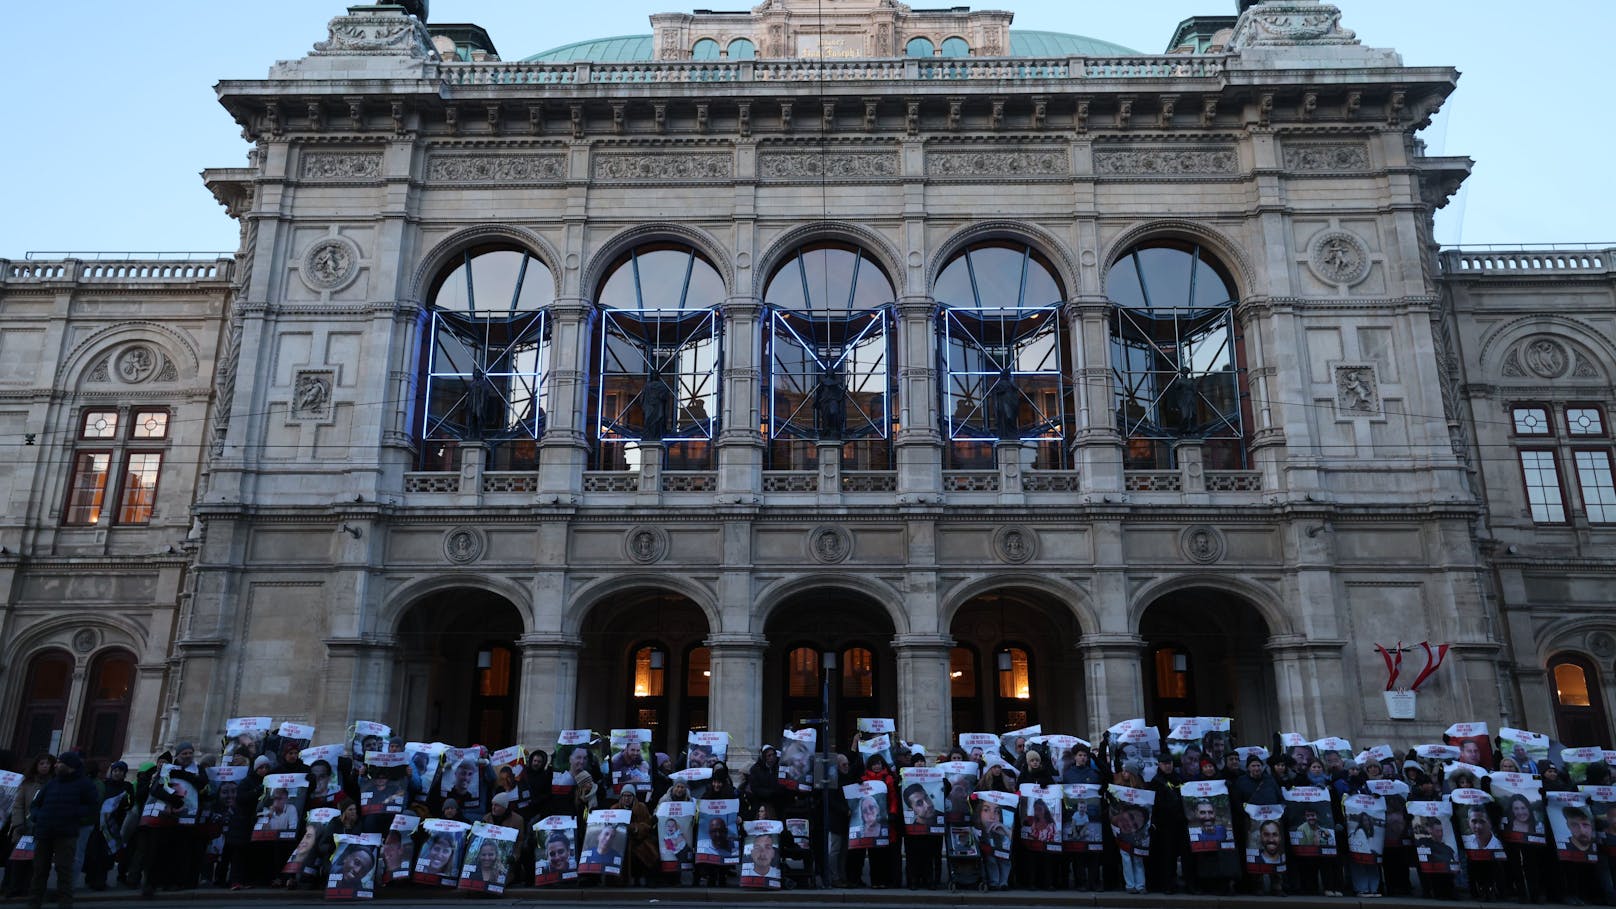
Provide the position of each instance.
(718, 839)
(245, 735)
(867, 814)
(1184, 736)
(1080, 818)
(761, 869)
(280, 810)
(676, 830)
(993, 817)
(555, 850)
(631, 759)
(921, 793)
(1130, 818)
(488, 858)
(706, 748)
(796, 758)
(439, 860)
(1265, 839)
(1013, 745)
(398, 848)
(1473, 741)
(463, 778)
(1297, 747)
(365, 736)
(1135, 740)
(573, 753)
(1602, 805)
(423, 759)
(353, 867)
(1041, 814)
(1524, 748)
(875, 744)
(1334, 751)
(1209, 815)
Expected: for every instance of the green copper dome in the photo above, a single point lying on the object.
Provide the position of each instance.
(634, 48)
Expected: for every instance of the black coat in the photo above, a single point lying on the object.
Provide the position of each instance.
(60, 808)
(238, 824)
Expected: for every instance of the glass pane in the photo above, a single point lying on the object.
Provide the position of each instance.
(802, 673)
(1016, 681)
(1571, 685)
(115, 677)
(858, 673)
(100, 424)
(961, 673)
(495, 681)
(139, 492)
(1598, 487)
(1585, 421)
(151, 424)
(1531, 421)
(1171, 682)
(956, 47)
(88, 490)
(51, 677)
(648, 677)
(698, 672)
(1542, 477)
(705, 49)
(742, 49)
(918, 47)
(104, 733)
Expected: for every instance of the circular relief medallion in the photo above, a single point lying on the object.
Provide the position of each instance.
(1202, 544)
(463, 544)
(1545, 357)
(1338, 257)
(1602, 644)
(137, 363)
(330, 264)
(1015, 544)
(645, 544)
(85, 640)
(830, 544)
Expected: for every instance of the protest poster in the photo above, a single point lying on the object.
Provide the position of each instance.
(1574, 762)
(921, 794)
(280, 809)
(1309, 821)
(1013, 745)
(296, 736)
(423, 759)
(718, 832)
(1525, 749)
(1602, 805)
(1474, 742)
(1130, 818)
(439, 859)
(1184, 736)
(761, 870)
(304, 856)
(1297, 747)
(365, 736)
(173, 799)
(1135, 740)
(796, 758)
(555, 850)
(1572, 826)
(993, 817)
(1395, 792)
(223, 783)
(323, 761)
(706, 748)
(630, 759)
(1476, 834)
(1366, 827)
(1080, 818)
(695, 780)
(876, 745)
(1209, 815)
(978, 745)
(353, 867)
(605, 841)
(1041, 818)
(867, 814)
(959, 781)
(463, 779)
(575, 752)
(244, 735)
(1520, 801)
(676, 831)
(386, 786)
(1432, 851)
(397, 854)
(1265, 839)
(488, 858)
(508, 765)
(1059, 748)
(1334, 751)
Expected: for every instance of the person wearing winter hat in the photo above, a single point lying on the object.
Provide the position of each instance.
(57, 814)
(101, 856)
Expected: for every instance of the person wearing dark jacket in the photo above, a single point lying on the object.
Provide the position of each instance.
(1171, 837)
(239, 852)
(763, 783)
(57, 815)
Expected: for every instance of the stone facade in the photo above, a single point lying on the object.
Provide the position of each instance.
(335, 572)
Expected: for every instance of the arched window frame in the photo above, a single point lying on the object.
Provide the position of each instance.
(95, 708)
(704, 49)
(1579, 725)
(659, 702)
(1004, 705)
(696, 716)
(919, 46)
(955, 46)
(965, 711)
(30, 737)
(741, 49)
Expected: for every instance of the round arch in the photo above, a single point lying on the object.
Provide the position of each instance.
(175, 346)
(444, 251)
(591, 595)
(785, 246)
(1575, 332)
(769, 598)
(706, 245)
(1223, 247)
(1039, 239)
(116, 633)
(1075, 599)
(1266, 602)
(398, 604)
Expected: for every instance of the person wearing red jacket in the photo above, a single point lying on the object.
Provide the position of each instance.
(884, 860)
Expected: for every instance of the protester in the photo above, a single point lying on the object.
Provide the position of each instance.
(56, 816)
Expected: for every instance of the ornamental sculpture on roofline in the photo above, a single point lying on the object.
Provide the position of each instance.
(812, 29)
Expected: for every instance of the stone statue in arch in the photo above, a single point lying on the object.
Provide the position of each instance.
(830, 403)
(1005, 405)
(656, 403)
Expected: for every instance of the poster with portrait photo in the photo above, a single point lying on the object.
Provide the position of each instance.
(1574, 762)
(1366, 828)
(397, 854)
(576, 750)
(423, 759)
(1472, 818)
(1571, 825)
(978, 745)
(442, 849)
(676, 835)
(696, 779)
(295, 735)
(1520, 803)
(797, 758)
(631, 759)
(1135, 740)
(10, 782)
(1309, 821)
(1376, 755)
(800, 829)
(867, 821)
(760, 870)
(1040, 828)
(718, 832)
(365, 736)
(876, 745)
(325, 779)
(1602, 805)
(244, 735)
(488, 858)
(877, 725)
(1059, 749)
(463, 778)
(1184, 735)
(1080, 818)
(159, 812)
(1247, 752)
(1217, 742)
(555, 850)
(1433, 758)
(353, 867)
(385, 787)
(1334, 751)
(605, 842)
(921, 794)
(304, 854)
(1525, 748)
(1209, 815)
(1130, 811)
(508, 764)
(109, 819)
(280, 808)
(1474, 742)
(1013, 745)
(993, 821)
(1265, 839)
(1395, 792)
(1433, 846)
(959, 781)
(706, 748)
(223, 783)
(1459, 775)
(1297, 747)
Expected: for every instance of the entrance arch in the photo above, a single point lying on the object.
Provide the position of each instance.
(801, 631)
(644, 666)
(460, 668)
(1020, 648)
(1204, 656)
(104, 721)
(49, 682)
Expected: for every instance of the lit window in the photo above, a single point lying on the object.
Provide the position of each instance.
(88, 489)
(961, 673)
(1531, 421)
(802, 673)
(495, 680)
(1015, 681)
(1598, 488)
(100, 424)
(1542, 477)
(1585, 421)
(858, 673)
(139, 491)
(150, 424)
(648, 672)
(1571, 685)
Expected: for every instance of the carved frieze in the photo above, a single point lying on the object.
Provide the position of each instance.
(983, 163)
(341, 166)
(1166, 162)
(654, 166)
(1319, 158)
(1295, 22)
(794, 165)
(387, 35)
(496, 168)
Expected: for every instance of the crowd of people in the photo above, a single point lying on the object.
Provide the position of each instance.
(1513, 816)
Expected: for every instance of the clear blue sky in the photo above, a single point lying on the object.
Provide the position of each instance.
(110, 112)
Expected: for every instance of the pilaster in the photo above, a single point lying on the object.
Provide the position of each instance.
(924, 713)
(549, 691)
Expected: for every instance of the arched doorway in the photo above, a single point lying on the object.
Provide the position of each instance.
(804, 632)
(1019, 647)
(44, 703)
(1579, 708)
(460, 668)
(644, 666)
(104, 721)
(1204, 657)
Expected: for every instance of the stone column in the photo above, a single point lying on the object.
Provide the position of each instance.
(549, 685)
(565, 446)
(920, 441)
(735, 696)
(740, 441)
(924, 713)
(1113, 664)
(1310, 686)
(1097, 442)
(651, 455)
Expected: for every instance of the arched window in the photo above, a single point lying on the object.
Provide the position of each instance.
(919, 47)
(956, 47)
(487, 359)
(1579, 707)
(829, 355)
(1015, 689)
(648, 694)
(657, 358)
(705, 49)
(1005, 349)
(1176, 355)
(44, 702)
(106, 705)
(742, 49)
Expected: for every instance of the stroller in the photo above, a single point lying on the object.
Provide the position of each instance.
(963, 856)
